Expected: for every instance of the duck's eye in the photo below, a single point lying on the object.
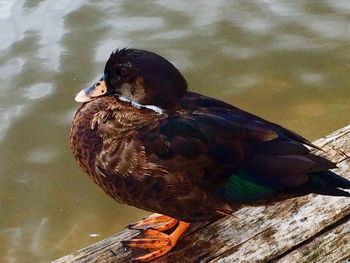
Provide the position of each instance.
(124, 69)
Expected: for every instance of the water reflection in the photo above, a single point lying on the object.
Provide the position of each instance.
(38, 91)
(286, 61)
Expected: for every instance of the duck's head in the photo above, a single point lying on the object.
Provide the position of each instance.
(140, 76)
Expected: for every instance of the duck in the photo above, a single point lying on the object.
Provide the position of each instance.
(148, 142)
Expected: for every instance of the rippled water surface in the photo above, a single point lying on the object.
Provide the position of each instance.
(288, 61)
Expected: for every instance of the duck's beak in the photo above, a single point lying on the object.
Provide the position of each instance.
(96, 90)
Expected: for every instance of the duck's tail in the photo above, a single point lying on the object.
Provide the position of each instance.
(328, 183)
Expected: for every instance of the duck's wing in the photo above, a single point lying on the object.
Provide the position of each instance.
(197, 102)
(238, 155)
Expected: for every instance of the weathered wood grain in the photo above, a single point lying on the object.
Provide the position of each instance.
(308, 229)
(331, 246)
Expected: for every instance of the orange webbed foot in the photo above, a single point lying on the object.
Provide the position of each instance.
(155, 221)
(151, 243)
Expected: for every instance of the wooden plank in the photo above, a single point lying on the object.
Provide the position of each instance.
(255, 234)
(331, 246)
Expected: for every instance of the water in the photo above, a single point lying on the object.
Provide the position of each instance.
(287, 61)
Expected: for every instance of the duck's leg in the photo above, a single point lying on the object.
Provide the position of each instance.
(152, 243)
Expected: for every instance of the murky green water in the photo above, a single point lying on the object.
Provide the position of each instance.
(288, 61)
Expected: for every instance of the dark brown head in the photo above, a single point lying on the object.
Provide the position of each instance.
(140, 76)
